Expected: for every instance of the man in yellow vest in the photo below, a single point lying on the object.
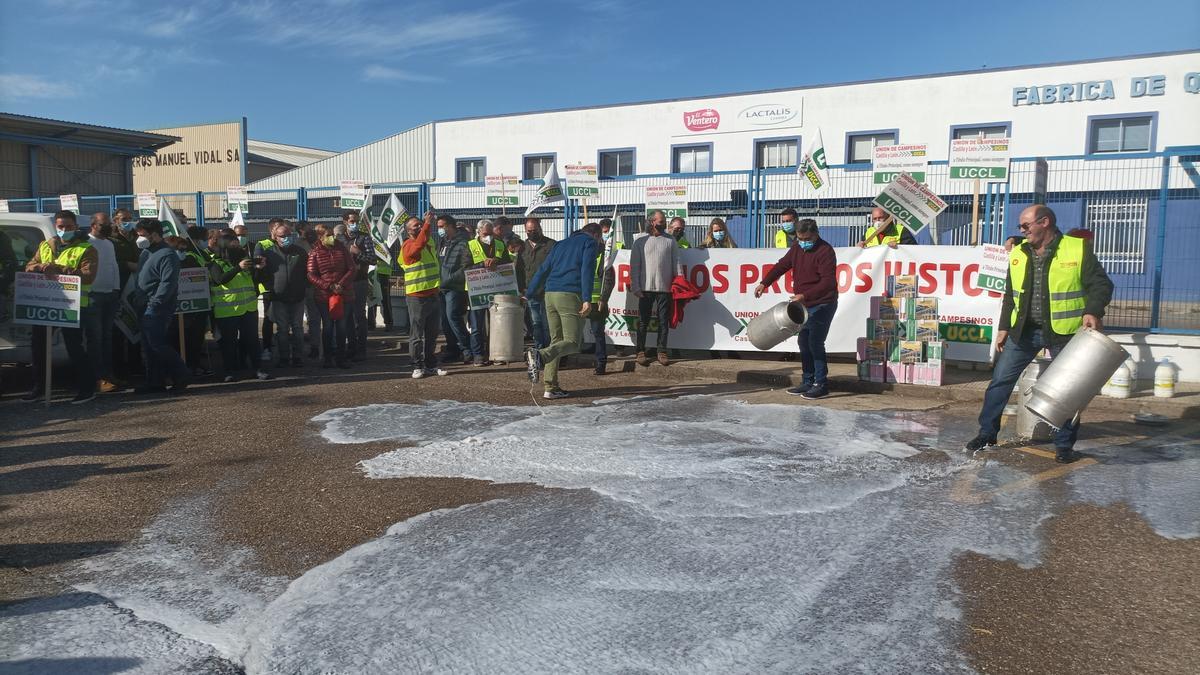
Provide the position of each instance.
(67, 253)
(786, 236)
(885, 231)
(486, 251)
(1056, 287)
(422, 280)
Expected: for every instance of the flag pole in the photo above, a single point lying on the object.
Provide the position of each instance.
(49, 360)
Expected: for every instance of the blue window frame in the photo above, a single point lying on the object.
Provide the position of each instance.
(692, 158)
(616, 162)
(983, 130)
(470, 169)
(1127, 132)
(776, 153)
(534, 167)
(860, 144)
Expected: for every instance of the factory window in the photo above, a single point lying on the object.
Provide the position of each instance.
(1120, 134)
(1118, 225)
(775, 153)
(984, 131)
(691, 158)
(536, 166)
(469, 170)
(615, 163)
(859, 145)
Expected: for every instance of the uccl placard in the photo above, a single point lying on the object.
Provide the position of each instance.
(485, 283)
(69, 203)
(889, 161)
(193, 293)
(983, 158)
(672, 200)
(910, 202)
(502, 190)
(47, 300)
(147, 204)
(993, 274)
(352, 194)
(583, 180)
(238, 199)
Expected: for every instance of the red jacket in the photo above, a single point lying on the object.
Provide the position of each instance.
(814, 273)
(328, 266)
(682, 292)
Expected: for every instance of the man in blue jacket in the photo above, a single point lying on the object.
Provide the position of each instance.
(158, 286)
(567, 274)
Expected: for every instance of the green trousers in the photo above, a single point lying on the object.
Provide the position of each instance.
(566, 333)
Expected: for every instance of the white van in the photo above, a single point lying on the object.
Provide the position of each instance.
(21, 233)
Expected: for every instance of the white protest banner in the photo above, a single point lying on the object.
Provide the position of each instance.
(727, 277)
(814, 166)
(982, 158)
(147, 204)
(910, 203)
(392, 220)
(485, 283)
(993, 275)
(365, 222)
(672, 200)
(583, 180)
(3, 206)
(502, 190)
(69, 203)
(889, 161)
(551, 191)
(193, 295)
(170, 222)
(352, 194)
(237, 199)
(236, 219)
(41, 300)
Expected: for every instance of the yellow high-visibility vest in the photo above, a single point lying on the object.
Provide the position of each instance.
(68, 258)
(1067, 296)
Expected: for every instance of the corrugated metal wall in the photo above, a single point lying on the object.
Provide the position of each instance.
(14, 170)
(404, 158)
(63, 171)
(208, 158)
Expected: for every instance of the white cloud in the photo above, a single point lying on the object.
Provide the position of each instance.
(375, 72)
(20, 86)
(170, 24)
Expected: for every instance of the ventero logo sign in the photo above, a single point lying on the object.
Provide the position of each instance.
(702, 120)
(767, 114)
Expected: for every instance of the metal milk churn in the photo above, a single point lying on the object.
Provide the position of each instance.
(776, 325)
(1029, 426)
(1075, 377)
(506, 329)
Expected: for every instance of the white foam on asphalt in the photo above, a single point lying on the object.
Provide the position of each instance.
(412, 422)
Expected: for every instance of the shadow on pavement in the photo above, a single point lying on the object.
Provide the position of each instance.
(38, 452)
(57, 477)
(40, 555)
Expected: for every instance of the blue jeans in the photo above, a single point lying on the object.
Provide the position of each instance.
(454, 325)
(105, 306)
(812, 344)
(161, 359)
(356, 322)
(1012, 362)
(541, 327)
(598, 320)
(478, 320)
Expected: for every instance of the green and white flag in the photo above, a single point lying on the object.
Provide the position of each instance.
(392, 220)
(372, 226)
(166, 216)
(551, 191)
(814, 166)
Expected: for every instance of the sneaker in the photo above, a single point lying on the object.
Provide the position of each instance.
(201, 372)
(105, 387)
(84, 398)
(263, 375)
(440, 372)
(533, 364)
(642, 359)
(978, 443)
(178, 387)
(599, 370)
(555, 393)
(479, 362)
(1065, 455)
(797, 391)
(815, 392)
(418, 373)
(228, 379)
(266, 355)
(34, 395)
(662, 359)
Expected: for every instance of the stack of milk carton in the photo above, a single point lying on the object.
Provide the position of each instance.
(903, 342)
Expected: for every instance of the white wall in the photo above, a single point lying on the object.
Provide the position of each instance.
(923, 109)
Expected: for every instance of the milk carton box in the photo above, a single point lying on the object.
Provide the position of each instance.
(912, 351)
(902, 286)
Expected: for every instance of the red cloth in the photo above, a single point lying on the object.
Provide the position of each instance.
(328, 266)
(682, 292)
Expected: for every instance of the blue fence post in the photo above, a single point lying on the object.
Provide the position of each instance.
(300, 205)
(1164, 191)
(112, 204)
(200, 209)
(422, 199)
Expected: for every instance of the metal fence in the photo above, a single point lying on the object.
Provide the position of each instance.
(1143, 212)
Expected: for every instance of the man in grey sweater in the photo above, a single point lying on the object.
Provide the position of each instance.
(653, 264)
(158, 286)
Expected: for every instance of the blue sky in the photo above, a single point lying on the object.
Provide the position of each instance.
(339, 73)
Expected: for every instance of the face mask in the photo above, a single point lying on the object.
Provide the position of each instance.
(677, 235)
(143, 242)
(806, 245)
(65, 235)
(486, 239)
(608, 235)
(287, 241)
(182, 254)
(127, 225)
(243, 240)
(789, 227)
(202, 245)
(328, 240)
(719, 235)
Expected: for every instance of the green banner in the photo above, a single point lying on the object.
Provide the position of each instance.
(989, 283)
(585, 191)
(41, 313)
(980, 172)
(885, 177)
(502, 200)
(969, 333)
